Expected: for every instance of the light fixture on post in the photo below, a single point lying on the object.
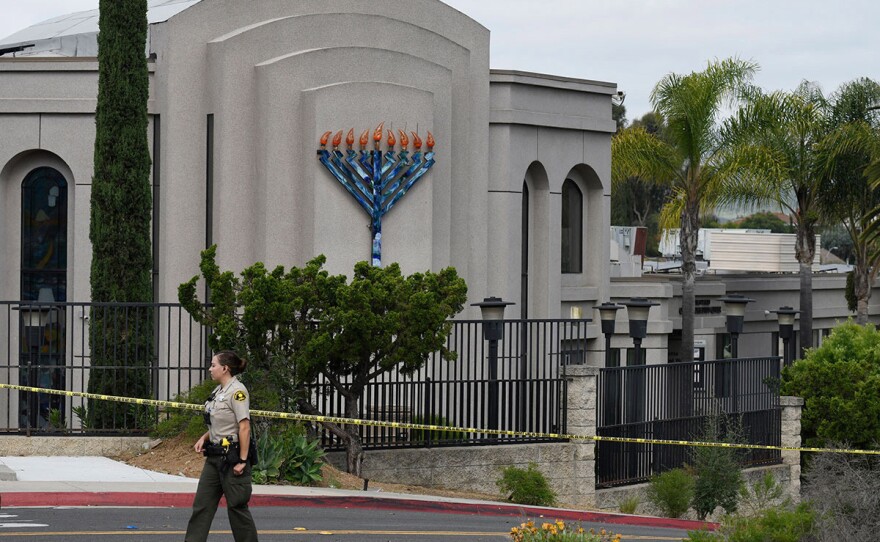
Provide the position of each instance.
(785, 316)
(611, 408)
(735, 309)
(608, 315)
(637, 310)
(492, 310)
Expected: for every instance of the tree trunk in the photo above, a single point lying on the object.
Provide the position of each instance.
(805, 251)
(862, 291)
(354, 448)
(690, 231)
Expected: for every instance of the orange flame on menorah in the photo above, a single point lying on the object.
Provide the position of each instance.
(364, 139)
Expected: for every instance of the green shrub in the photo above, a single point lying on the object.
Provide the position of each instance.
(840, 384)
(762, 495)
(773, 525)
(717, 469)
(56, 421)
(628, 505)
(419, 435)
(526, 486)
(671, 492)
(189, 422)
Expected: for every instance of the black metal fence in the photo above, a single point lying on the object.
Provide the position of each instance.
(524, 389)
(46, 345)
(675, 402)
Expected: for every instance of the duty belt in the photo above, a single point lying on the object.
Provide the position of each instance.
(212, 449)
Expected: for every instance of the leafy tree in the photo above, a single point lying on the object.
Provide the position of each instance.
(840, 384)
(848, 196)
(121, 343)
(764, 221)
(688, 159)
(778, 139)
(636, 201)
(298, 325)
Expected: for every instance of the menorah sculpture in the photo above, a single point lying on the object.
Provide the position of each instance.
(376, 180)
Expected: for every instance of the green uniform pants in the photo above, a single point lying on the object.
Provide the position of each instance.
(212, 485)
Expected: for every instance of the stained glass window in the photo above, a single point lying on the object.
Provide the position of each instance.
(43, 280)
(44, 236)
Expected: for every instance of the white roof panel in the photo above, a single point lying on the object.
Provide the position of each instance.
(48, 35)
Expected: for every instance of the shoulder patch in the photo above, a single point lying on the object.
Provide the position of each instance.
(239, 395)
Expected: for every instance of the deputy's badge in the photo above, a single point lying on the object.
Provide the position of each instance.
(239, 395)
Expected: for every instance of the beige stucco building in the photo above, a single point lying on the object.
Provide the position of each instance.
(240, 93)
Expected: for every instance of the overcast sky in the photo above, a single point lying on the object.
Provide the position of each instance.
(635, 42)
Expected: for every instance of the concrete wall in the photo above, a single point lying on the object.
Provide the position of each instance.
(11, 445)
(276, 75)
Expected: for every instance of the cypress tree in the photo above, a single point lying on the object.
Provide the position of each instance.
(121, 206)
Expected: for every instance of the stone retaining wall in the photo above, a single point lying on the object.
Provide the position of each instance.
(16, 445)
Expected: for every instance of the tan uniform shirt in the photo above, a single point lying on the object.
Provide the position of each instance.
(229, 406)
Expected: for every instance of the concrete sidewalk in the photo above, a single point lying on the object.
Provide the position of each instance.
(98, 481)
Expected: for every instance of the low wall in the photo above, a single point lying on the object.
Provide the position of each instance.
(16, 445)
(478, 468)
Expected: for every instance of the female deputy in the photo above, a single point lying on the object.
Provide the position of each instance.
(227, 470)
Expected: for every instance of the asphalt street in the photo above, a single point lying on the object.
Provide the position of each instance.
(110, 524)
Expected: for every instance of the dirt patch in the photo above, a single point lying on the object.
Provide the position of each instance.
(176, 456)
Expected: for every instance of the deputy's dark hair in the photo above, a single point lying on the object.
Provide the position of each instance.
(230, 359)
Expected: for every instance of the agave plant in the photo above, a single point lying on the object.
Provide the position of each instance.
(270, 457)
(303, 463)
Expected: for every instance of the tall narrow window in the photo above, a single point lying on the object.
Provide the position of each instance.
(44, 236)
(44, 281)
(572, 227)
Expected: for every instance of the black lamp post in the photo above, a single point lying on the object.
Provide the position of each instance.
(492, 309)
(611, 408)
(608, 315)
(637, 310)
(786, 316)
(735, 308)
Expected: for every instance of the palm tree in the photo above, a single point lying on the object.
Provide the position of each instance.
(775, 138)
(689, 159)
(849, 196)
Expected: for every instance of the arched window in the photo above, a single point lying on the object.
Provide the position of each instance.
(44, 236)
(43, 279)
(572, 227)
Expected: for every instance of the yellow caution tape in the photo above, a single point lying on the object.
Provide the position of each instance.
(425, 427)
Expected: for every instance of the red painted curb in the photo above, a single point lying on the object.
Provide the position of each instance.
(184, 500)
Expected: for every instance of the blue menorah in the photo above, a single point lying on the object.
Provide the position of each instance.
(375, 179)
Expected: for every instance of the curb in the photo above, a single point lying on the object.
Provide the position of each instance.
(7, 474)
(184, 500)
